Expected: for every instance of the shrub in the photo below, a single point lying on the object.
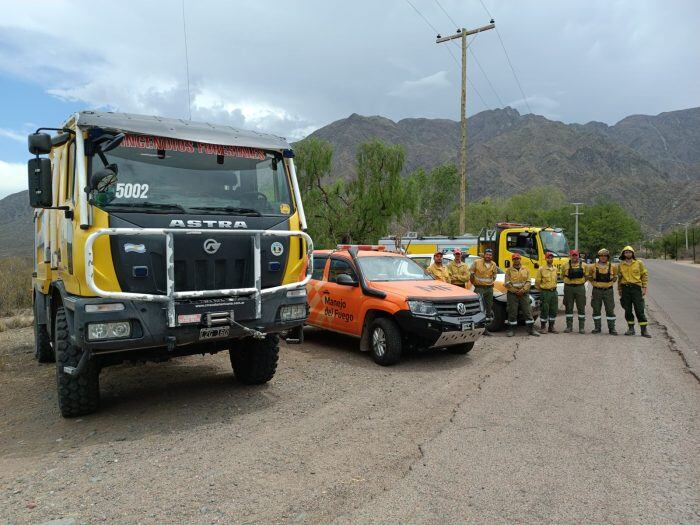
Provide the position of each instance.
(15, 285)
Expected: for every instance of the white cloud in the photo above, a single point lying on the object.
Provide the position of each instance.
(540, 105)
(13, 177)
(422, 86)
(13, 135)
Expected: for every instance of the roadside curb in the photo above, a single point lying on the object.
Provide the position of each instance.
(677, 340)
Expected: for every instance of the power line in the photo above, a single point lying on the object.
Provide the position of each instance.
(431, 26)
(488, 80)
(505, 52)
(187, 61)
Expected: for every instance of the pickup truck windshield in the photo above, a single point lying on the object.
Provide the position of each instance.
(159, 175)
(555, 242)
(390, 268)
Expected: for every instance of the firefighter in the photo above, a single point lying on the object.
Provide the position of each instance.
(546, 283)
(459, 271)
(602, 276)
(482, 276)
(633, 278)
(574, 275)
(438, 270)
(518, 286)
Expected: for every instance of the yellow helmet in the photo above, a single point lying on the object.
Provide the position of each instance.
(603, 251)
(625, 249)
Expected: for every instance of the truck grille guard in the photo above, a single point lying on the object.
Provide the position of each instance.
(171, 295)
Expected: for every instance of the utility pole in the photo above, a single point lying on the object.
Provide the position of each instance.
(463, 34)
(576, 213)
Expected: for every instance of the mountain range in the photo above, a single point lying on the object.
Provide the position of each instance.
(649, 164)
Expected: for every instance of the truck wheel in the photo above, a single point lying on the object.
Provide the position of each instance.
(256, 362)
(461, 349)
(385, 341)
(77, 396)
(43, 351)
(499, 317)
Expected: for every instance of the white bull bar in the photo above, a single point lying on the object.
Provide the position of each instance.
(171, 295)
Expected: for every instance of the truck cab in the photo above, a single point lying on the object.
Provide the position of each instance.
(157, 238)
(531, 242)
(388, 301)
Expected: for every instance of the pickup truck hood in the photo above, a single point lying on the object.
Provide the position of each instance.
(429, 290)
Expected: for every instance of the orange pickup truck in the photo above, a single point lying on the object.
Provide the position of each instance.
(390, 303)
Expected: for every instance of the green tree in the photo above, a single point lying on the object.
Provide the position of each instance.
(607, 225)
(435, 197)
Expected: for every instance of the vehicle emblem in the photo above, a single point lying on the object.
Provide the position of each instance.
(211, 246)
(277, 249)
(134, 248)
(461, 309)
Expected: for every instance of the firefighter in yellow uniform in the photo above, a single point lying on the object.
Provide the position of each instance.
(459, 271)
(438, 270)
(574, 275)
(483, 275)
(602, 276)
(518, 286)
(633, 281)
(546, 283)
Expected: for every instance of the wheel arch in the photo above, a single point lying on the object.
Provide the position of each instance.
(370, 316)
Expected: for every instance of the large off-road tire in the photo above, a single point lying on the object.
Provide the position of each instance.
(77, 396)
(43, 351)
(499, 317)
(461, 349)
(385, 341)
(255, 361)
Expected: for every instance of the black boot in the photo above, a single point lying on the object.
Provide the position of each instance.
(596, 328)
(531, 330)
(581, 326)
(569, 326)
(551, 328)
(611, 328)
(543, 327)
(630, 330)
(644, 332)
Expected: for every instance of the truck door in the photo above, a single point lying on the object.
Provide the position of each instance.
(526, 244)
(64, 219)
(342, 303)
(315, 290)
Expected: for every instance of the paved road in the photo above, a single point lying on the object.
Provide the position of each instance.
(561, 428)
(674, 298)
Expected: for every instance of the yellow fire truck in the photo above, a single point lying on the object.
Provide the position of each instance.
(157, 238)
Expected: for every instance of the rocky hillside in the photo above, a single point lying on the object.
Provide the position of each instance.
(16, 233)
(651, 165)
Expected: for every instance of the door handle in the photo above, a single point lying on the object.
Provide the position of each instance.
(326, 291)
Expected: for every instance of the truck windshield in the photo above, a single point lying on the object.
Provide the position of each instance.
(388, 268)
(555, 242)
(161, 175)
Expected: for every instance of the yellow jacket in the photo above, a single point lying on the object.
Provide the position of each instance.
(459, 273)
(633, 272)
(517, 279)
(546, 278)
(565, 273)
(602, 271)
(441, 273)
(484, 275)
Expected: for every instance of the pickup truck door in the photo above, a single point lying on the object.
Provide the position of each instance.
(342, 303)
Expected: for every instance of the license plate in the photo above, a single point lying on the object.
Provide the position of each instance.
(214, 333)
(467, 326)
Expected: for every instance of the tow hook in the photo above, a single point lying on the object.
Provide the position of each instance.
(75, 371)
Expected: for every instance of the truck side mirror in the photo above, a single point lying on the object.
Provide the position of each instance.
(39, 143)
(39, 172)
(345, 280)
(507, 263)
(537, 265)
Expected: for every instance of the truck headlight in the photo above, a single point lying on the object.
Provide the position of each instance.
(117, 330)
(422, 307)
(293, 312)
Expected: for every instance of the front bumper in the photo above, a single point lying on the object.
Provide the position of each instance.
(438, 332)
(150, 330)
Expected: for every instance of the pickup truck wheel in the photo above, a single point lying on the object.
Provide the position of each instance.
(255, 361)
(43, 351)
(499, 317)
(385, 341)
(461, 349)
(77, 396)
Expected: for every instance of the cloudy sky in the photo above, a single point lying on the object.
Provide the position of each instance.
(292, 66)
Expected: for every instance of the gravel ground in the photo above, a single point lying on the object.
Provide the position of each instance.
(564, 428)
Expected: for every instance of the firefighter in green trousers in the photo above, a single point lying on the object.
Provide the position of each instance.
(546, 283)
(602, 276)
(482, 275)
(574, 275)
(518, 285)
(632, 285)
